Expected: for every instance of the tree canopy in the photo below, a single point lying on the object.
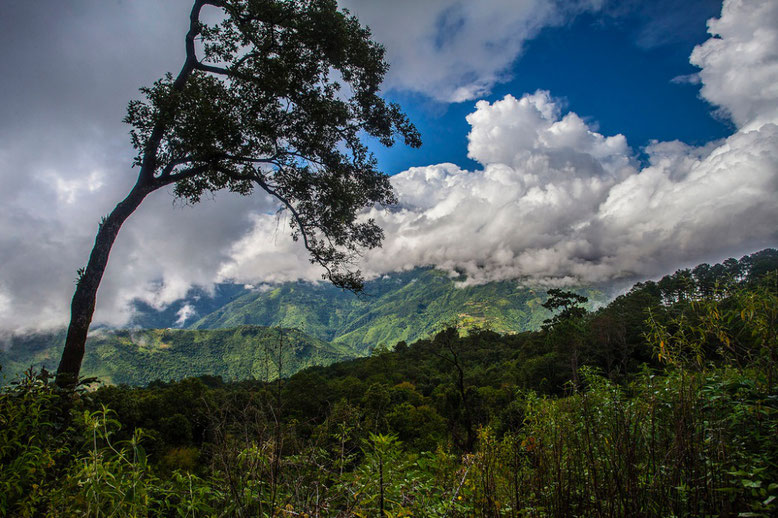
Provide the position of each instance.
(280, 96)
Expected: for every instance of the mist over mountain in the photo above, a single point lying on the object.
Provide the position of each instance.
(403, 306)
(260, 332)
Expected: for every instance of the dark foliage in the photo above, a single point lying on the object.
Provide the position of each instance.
(674, 412)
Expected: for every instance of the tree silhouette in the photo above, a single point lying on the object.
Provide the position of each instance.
(278, 96)
(566, 328)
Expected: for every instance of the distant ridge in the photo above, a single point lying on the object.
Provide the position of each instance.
(234, 331)
(404, 306)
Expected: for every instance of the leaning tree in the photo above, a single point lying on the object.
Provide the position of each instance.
(277, 96)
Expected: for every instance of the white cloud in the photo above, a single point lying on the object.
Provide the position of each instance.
(186, 312)
(69, 190)
(691, 79)
(740, 62)
(512, 131)
(567, 211)
(556, 200)
(268, 254)
(456, 50)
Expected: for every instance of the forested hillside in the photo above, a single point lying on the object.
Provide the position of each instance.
(332, 325)
(402, 306)
(142, 356)
(663, 403)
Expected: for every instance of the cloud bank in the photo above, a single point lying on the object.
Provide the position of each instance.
(557, 200)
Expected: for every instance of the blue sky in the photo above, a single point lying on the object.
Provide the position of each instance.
(615, 70)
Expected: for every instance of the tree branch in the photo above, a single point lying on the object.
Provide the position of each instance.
(295, 214)
(262, 183)
(167, 175)
(215, 70)
(183, 175)
(149, 162)
(172, 165)
(237, 158)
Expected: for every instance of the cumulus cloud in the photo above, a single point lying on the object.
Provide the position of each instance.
(739, 63)
(556, 200)
(456, 50)
(575, 205)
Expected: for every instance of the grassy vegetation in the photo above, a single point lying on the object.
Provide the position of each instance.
(669, 409)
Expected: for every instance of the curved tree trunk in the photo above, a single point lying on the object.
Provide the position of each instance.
(83, 305)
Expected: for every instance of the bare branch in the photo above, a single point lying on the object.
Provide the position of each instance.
(182, 175)
(215, 70)
(173, 164)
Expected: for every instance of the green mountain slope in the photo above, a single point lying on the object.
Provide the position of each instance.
(405, 306)
(322, 325)
(316, 309)
(197, 301)
(138, 357)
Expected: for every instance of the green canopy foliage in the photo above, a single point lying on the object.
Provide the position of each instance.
(280, 100)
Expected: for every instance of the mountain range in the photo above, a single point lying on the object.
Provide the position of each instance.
(235, 331)
(403, 306)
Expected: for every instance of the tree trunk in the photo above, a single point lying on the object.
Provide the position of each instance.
(83, 305)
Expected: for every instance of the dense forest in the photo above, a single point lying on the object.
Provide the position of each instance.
(403, 306)
(662, 403)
